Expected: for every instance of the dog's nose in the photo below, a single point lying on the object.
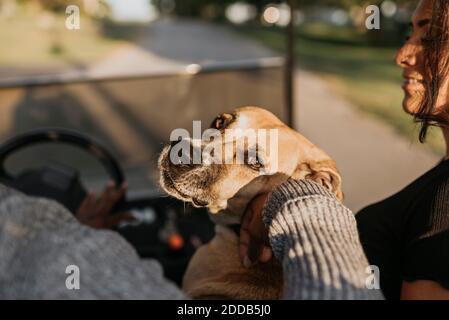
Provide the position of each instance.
(199, 203)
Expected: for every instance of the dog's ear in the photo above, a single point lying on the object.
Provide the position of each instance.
(322, 172)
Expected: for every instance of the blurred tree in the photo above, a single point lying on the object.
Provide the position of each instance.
(195, 7)
(53, 5)
(392, 31)
(346, 4)
(59, 6)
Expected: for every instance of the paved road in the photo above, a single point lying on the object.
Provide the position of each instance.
(170, 45)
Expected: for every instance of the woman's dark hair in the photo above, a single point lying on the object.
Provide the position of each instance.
(436, 62)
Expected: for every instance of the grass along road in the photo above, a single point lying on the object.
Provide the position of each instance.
(34, 39)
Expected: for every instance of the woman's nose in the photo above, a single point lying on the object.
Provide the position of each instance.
(406, 56)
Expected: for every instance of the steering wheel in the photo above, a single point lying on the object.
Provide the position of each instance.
(58, 182)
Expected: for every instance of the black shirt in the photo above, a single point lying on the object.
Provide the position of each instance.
(407, 234)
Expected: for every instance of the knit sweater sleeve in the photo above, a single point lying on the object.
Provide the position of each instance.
(40, 240)
(315, 237)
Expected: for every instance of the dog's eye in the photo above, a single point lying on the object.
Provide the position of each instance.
(222, 121)
(254, 162)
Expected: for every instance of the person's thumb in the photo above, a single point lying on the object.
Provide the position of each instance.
(255, 249)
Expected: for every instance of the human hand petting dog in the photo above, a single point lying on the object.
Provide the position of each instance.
(254, 242)
(227, 190)
(95, 211)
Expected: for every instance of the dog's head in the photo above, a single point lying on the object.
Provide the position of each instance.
(245, 153)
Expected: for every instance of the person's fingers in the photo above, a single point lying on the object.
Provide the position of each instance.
(111, 196)
(115, 219)
(244, 234)
(120, 192)
(86, 210)
(266, 255)
(89, 203)
(105, 202)
(247, 219)
(106, 195)
(83, 204)
(253, 234)
(243, 244)
(92, 199)
(258, 251)
(116, 195)
(255, 249)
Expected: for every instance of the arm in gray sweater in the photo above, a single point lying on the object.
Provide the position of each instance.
(315, 237)
(39, 239)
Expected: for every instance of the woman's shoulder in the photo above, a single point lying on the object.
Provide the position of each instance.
(434, 180)
(433, 192)
(429, 185)
(419, 204)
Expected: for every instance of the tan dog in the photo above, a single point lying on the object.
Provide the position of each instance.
(226, 189)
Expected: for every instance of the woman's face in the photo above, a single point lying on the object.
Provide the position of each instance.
(410, 58)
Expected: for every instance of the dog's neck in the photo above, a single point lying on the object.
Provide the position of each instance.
(225, 219)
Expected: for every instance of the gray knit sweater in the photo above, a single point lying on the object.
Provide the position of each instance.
(316, 239)
(312, 234)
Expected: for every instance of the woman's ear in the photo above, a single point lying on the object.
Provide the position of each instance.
(322, 172)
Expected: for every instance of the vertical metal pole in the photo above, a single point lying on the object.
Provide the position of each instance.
(290, 65)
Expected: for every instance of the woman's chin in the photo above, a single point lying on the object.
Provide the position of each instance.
(410, 105)
(407, 109)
